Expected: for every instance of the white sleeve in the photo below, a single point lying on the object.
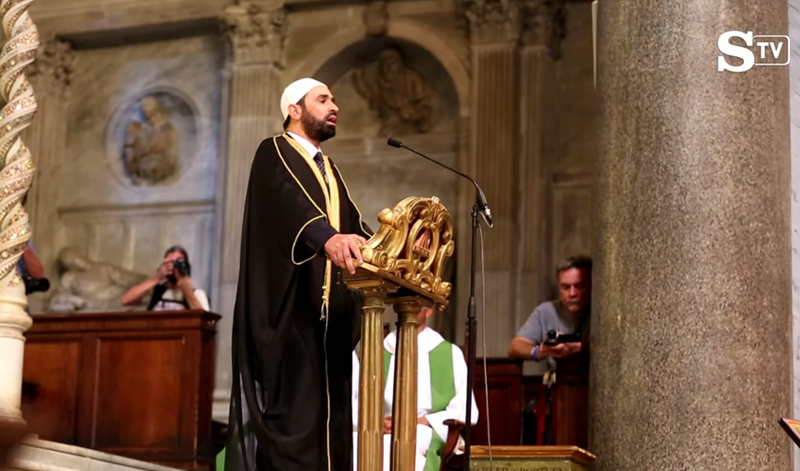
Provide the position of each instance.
(203, 299)
(355, 390)
(456, 409)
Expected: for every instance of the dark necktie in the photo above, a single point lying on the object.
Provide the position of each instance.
(321, 165)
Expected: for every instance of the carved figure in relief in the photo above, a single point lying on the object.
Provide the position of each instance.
(151, 147)
(87, 285)
(400, 95)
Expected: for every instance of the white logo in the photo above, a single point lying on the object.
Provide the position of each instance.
(770, 50)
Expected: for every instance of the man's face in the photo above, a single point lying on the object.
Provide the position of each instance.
(319, 114)
(575, 290)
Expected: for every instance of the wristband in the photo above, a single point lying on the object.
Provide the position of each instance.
(533, 353)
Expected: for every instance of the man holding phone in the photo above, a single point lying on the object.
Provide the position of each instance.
(566, 316)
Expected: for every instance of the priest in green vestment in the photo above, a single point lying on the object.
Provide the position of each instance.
(441, 394)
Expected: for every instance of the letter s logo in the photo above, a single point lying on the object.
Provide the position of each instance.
(725, 47)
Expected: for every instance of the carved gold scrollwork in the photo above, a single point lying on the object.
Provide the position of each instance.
(413, 243)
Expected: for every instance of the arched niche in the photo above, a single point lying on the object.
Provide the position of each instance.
(446, 52)
(379, 176)
(425, 78)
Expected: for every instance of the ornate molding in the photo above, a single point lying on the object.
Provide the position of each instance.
(492, 21)
(256, 34)
(414, 242)
(54, 63)
(376, 18)
(544, 23)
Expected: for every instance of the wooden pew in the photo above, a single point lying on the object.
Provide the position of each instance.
(136, 384)
(504, 390)
(509, 392)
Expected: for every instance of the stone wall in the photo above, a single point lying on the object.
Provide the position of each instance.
(513, 107)
(103, 210)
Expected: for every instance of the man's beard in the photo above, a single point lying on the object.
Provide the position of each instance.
(317, 129)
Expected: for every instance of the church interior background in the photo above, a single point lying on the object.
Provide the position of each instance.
(150, 112)
(219, 69)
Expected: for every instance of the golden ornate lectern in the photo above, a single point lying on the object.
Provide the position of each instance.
(403, 265)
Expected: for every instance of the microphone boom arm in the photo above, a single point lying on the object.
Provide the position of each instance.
(485, 212)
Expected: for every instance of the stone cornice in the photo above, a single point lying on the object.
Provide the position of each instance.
(255, 33)
(53, 65)
(543, 22)
(492, 21)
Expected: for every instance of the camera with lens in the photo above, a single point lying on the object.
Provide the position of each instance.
(33, 285)
(554, 338)
(181, 266)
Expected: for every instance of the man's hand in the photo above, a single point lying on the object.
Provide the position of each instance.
(387, 425)
(166, 268)
(339, 247)
(184, 282)
(359, 240)
(423, 421)
(574, 348)
(562, 350)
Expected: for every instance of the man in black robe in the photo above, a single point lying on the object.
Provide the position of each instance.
(295, 322)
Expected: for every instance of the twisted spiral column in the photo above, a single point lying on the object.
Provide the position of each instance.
(15, 180)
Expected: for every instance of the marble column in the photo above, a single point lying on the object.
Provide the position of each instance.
(47, 139)
(256, 33)
(794, 32)
(493, 161)
(692, 309)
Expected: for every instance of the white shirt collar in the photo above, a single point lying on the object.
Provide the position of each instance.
(427, 340)
(309, 147)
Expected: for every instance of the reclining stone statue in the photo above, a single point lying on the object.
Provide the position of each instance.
(87, 285)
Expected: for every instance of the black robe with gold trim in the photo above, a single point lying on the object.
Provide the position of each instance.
(292, 342)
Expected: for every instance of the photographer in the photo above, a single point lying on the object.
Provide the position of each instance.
(171, 285)
(568, 315)
(31, 270)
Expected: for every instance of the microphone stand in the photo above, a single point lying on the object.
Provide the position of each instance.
(471, 335)
(480, 205)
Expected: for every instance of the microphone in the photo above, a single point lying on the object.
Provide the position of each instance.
(484, 205)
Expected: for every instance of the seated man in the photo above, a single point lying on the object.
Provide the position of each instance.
(568, 315)
(171, 286)
(441, 394)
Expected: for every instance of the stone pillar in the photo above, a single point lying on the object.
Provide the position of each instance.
(794, 32)
(256, 33)
(47, 140)
(691, 324)
(493, 160)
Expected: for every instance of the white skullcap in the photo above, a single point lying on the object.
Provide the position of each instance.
(295, 91)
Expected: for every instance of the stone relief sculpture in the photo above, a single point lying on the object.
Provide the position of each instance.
(151, 149)
(376, 18)
(87, 285)
(400, 95)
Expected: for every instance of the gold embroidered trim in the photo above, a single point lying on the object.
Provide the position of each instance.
(297, 237)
